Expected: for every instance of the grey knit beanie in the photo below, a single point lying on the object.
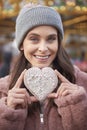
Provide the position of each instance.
(33, 16)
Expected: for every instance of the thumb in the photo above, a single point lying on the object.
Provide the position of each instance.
(61, 77)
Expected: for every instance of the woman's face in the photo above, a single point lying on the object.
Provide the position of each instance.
(40, 46)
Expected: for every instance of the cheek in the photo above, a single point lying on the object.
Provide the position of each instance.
(27, 51)
(55, 48)
(28, 48)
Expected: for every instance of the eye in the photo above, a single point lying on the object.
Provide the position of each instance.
(51, 39)
(34, 39)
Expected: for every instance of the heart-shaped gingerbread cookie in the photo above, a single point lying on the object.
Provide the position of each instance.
(40, 82)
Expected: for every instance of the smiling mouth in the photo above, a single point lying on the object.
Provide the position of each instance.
(42, 57)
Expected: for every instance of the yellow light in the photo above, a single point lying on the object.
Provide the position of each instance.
(84, 8)
(78, 8)
(4, 13)
(32, 1)
(63, 8)
(50, 2)
(73, 4)
(56, 8)
(10, 13)
(70, 3)
(14, 1)
(16, 7)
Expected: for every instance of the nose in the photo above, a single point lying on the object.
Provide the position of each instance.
(43, 46)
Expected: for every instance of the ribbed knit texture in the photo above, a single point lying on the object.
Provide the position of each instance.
(32, 17)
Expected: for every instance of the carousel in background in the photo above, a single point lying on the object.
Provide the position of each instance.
(74, 17)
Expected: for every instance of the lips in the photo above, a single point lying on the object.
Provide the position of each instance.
(42, 57)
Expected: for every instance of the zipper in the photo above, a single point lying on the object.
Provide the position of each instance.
(41, 118)
(41, 113)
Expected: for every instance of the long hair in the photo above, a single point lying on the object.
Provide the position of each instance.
(61, 62)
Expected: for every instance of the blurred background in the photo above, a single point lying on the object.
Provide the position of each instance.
(74, 17)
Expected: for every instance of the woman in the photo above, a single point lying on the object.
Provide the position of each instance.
(39, 34)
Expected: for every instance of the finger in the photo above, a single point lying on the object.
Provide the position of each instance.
(33, 99)
(18, 101)
(66, 92)
(60, 90)
(19, 96)
(20, 79)
(52, 95)
(61, 77)
(65, 86)
(30, 99)
(62, 87)
(22, 97)
(19, 91)
(13, 102)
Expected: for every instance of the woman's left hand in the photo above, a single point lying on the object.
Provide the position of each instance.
(65, 88)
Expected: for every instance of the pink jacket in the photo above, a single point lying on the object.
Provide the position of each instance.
(70, 113)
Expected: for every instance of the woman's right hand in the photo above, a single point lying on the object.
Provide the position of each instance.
(19, 96)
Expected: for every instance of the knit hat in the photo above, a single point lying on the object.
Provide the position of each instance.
(33, 16)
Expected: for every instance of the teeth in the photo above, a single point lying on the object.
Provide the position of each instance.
(42, 57)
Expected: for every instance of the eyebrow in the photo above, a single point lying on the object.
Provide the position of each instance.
(33, 34)
(52, 35)
(39, 35)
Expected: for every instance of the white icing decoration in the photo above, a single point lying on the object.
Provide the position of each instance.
(40, 82)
